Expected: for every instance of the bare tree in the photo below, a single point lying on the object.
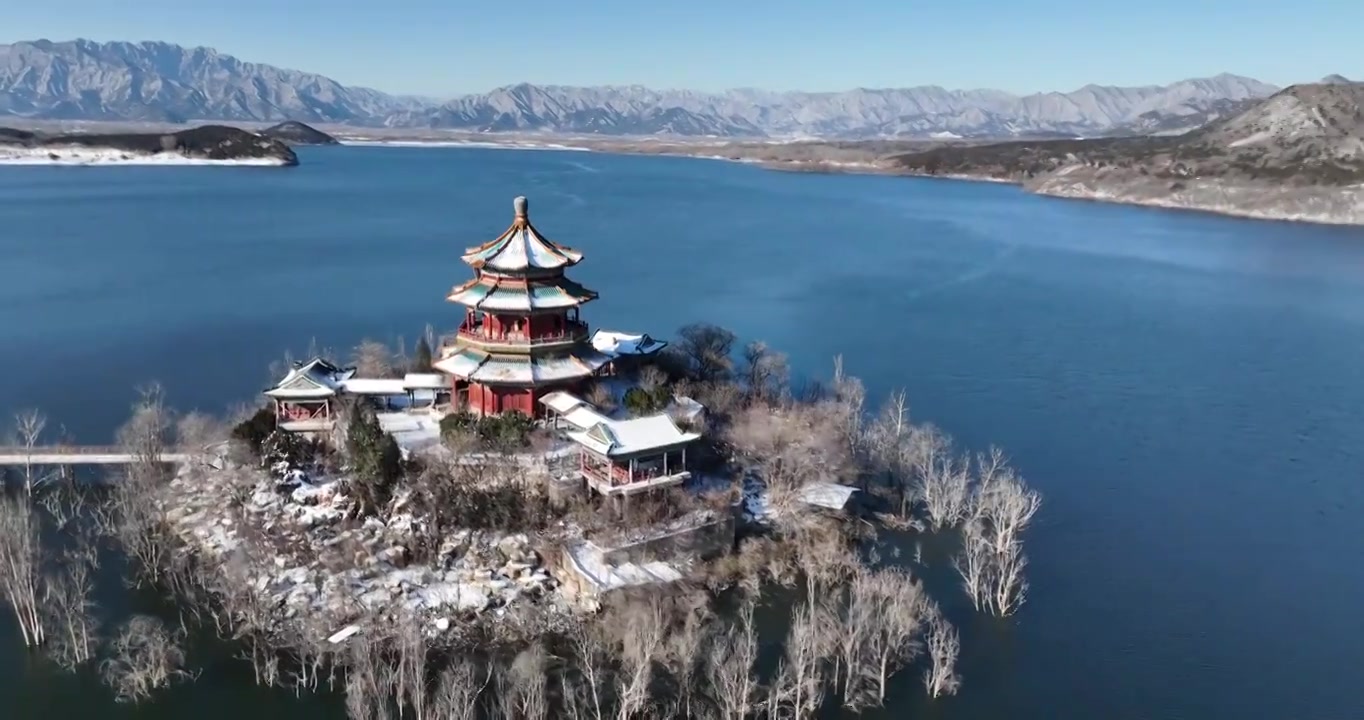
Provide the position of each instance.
(848, 408)
(890, 448)
(1010, 586)
(731, 668)
(528, 684)
(367, 677)
(823, 554)
(70, 609)
(651, 379)
(885, 614)
(789, 447)
(975, 565)
(600, 396)
(196, 431)
(799, 688)
(590, 652)
(642, 627)
(21, 559)
(147, 432)
(457, 691)
(705, 350)
(410, 666)
(943, 646)
(29, 425)
(991, 561)
(143, 657)
(1003, 501)
(136, 518)
(682, 654)
(373, 359)
(943, 481)
(766, 374)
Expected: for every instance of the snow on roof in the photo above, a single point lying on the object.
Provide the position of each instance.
(315, 378)
(425, 381)
(374, 386)
(491, 293)
(827, 495)
(616, 344)
(471, 364)
(685, 408)
(411, 432)
(627, 437)
(561, 402)
(574, 410)
(521, 247)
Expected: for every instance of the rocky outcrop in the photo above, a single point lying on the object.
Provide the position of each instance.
(293, 132)
(210, 143)
(293, 544)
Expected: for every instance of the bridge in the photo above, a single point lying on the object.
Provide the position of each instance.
(77, 455)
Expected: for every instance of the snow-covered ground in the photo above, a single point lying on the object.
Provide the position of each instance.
(76, 155)
(319, 571)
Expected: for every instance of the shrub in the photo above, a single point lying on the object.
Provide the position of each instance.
(280, 446)
(374, 456)
(421, 362)
(254, 430)
(506, 431)
(646, 402)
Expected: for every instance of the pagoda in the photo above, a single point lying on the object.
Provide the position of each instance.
(522, 336)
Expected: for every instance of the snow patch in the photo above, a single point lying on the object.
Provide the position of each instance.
(110, 156)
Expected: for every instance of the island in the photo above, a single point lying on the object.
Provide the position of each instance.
(208, 144)
(530, 514)
(297, 133)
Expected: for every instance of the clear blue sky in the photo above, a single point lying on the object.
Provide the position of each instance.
(446, 47)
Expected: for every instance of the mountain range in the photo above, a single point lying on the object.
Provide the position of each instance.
(163, 82)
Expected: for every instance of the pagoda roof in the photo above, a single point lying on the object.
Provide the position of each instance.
(521, 248)
(478, 366)
(492, 293)
(313, 379)
(614, 438)
(619, 343)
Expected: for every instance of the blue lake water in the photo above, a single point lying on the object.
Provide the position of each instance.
(1185, 389)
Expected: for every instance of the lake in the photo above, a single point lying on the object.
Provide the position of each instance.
(1184, 389)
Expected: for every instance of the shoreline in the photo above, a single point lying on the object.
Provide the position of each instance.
(877, 167)
(87, 157)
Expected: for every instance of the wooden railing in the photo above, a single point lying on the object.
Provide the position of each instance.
(574, 332)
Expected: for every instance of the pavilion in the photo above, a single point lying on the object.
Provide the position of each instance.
(622, 457)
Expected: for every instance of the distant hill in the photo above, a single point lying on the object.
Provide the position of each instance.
(157, 81)
(1296, 155)
(297, 133)
(208, 142)
(162, 82)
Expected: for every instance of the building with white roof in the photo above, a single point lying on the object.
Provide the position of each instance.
(625, 350)
(305, 400)
(622, 457)
(521, 336)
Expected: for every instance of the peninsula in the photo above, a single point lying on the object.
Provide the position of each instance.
(1298, 155)
(297, 133)
(208, 144)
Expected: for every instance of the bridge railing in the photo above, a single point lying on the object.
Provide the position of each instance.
(62, 450)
